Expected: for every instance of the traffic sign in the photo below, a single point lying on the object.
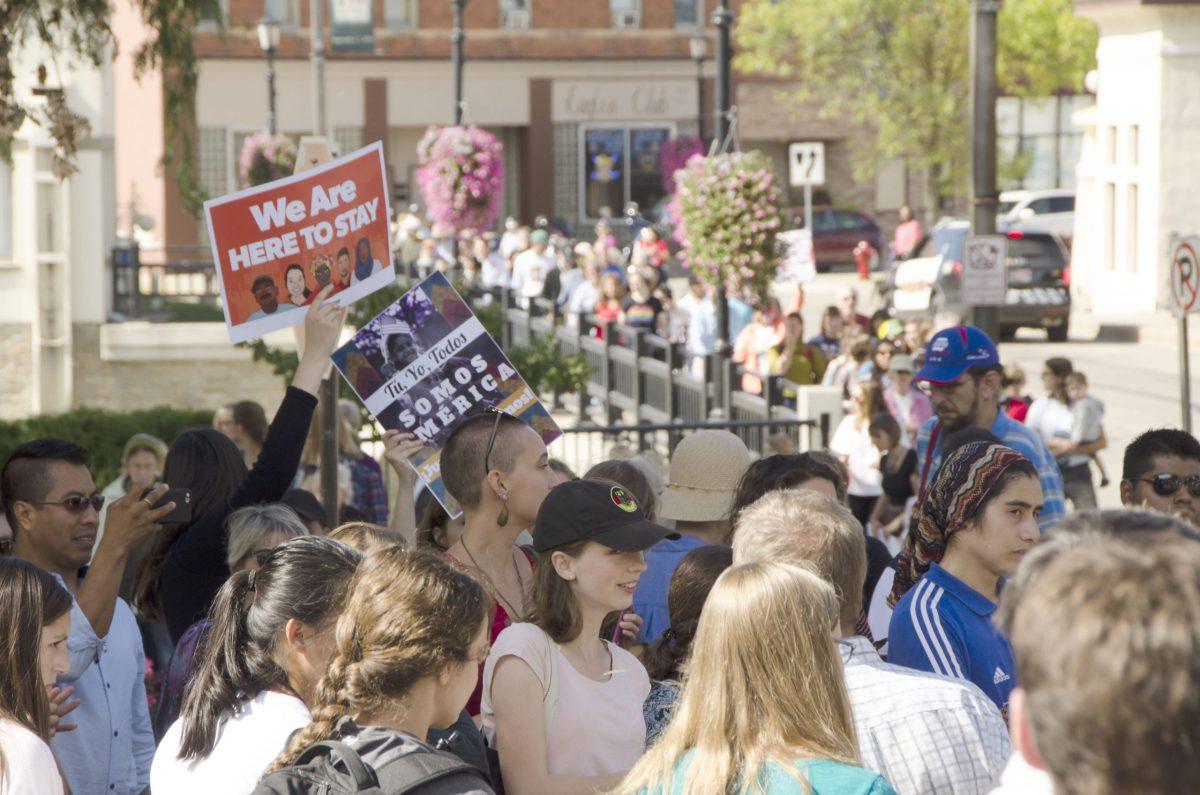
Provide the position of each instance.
(1185, 274)
(985, 271)
(806, 163)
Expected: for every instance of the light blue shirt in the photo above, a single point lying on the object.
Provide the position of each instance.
(825, 777)
(111, 750)
(1012, 434)
(650, 598)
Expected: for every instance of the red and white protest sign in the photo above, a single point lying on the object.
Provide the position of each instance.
(277, 245)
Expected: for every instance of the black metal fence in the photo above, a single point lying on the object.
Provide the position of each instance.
(640, 384)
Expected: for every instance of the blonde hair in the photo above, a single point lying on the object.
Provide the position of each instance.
(764, 684)
(409, 614)
(804, 527)
(250, 525)
(366, 537)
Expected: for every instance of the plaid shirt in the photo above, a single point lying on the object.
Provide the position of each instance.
(923, 732)
(1018, 437)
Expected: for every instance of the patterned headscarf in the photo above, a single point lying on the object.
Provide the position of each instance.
(962, 483)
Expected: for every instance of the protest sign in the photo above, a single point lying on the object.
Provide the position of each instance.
(425, 364)
(277, 245)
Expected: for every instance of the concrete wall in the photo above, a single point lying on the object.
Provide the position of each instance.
(131, 366)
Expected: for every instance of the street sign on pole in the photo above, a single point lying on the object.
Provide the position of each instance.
(806, 164)
(1185, 287)
(985, 271)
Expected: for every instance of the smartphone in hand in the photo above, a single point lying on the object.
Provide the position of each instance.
(182, 512)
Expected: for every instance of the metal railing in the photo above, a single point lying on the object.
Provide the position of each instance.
(587, 444)
(645, 381)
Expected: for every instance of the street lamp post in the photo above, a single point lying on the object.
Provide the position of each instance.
(456, 58)
(699, 48)
(723, 20)
(268, 40)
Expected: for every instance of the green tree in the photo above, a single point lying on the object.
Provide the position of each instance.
(80, 31)
(899, 68)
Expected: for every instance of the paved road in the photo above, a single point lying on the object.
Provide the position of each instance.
(1138, 382)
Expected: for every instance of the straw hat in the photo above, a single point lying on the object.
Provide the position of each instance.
(705, 469)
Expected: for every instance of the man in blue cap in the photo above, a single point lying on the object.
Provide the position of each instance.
(962, 368)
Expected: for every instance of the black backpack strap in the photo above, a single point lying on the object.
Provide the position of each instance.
(365, 779)
(414, 770)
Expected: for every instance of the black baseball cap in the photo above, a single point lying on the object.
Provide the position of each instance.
(305, 504)
(595, 510)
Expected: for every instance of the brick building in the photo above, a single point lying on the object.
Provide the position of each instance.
(581, 93)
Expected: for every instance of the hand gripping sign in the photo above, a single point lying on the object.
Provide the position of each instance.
(277, 245)
(425, 364)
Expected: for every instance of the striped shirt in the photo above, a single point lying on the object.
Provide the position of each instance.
(1015, 435)
(944, 626)
(923, 732)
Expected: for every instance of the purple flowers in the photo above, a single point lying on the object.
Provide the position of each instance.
(265, 159)
(461, 176)
(726, 212)
(674, 154)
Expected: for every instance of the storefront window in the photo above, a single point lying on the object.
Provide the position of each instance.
(620, 165)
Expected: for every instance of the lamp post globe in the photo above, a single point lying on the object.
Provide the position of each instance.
(268, 41)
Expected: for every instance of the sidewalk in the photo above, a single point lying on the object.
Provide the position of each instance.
(1154, 327)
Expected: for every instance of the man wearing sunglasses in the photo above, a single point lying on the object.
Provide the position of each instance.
(52, 504)
(1161, 470)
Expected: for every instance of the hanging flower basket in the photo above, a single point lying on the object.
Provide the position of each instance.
(726, 213)
(461, 176)
(265, 158)
(674, 155)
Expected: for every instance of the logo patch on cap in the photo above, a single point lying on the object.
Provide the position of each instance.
(940, 344)
(623, 499)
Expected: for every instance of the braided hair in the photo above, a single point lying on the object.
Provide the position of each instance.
(408, 616)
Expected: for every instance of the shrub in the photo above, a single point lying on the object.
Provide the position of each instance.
(101, 432)
(265, 159)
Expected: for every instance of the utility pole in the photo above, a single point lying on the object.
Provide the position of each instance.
(983, 138)
(456, 58)
(328, 402)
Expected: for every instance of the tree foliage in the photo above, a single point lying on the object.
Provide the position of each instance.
(899, 68)
(79, 30)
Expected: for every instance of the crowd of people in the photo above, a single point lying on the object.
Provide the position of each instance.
(913, 611)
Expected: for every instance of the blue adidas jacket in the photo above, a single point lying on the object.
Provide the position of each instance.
(944, 626)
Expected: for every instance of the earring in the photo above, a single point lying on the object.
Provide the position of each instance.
(502, 517)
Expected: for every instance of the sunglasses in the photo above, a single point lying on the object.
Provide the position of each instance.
(78, 504)
(1166, 484)
(487, 456)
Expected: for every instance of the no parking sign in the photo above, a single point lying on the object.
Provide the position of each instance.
(1185, 299)
(1185, 275)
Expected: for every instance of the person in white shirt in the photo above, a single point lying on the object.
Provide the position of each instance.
(268, 645)
(925, 733)
(531, 266)
(852, 443)
(35, 618)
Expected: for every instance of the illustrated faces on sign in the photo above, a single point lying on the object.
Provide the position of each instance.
(266, 293)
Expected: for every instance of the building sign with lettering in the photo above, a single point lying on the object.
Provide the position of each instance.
(623, 100)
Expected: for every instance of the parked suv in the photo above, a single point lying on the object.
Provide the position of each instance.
(1038, 296)
(1038, 210)
(836, 232)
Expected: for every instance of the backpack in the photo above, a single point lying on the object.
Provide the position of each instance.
(390, 764)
